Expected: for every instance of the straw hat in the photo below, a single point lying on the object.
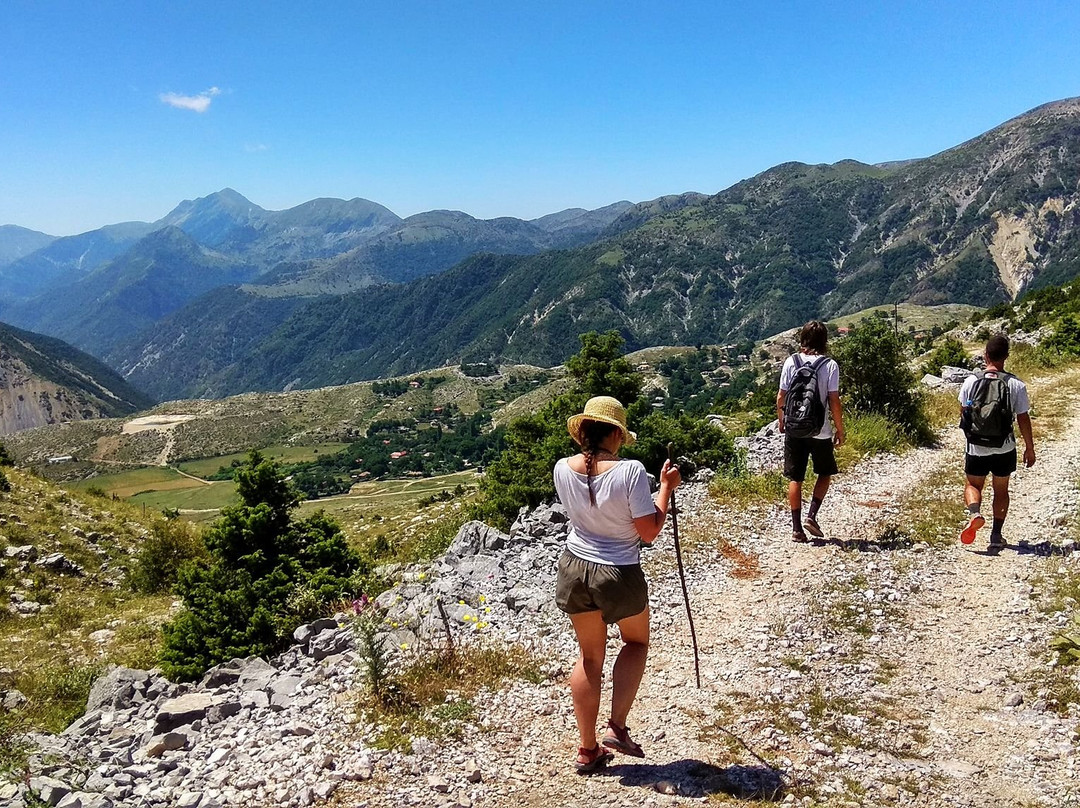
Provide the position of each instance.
(605, 409)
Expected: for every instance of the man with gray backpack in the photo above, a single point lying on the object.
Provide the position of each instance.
(990, 401)
(809, 384)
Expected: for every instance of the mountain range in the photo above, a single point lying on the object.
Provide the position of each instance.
(99, 289)
(221, 296)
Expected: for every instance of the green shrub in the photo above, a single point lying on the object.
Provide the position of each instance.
(304, 603)
(950, 353)
(694, 438)
(171, 544)
(374, 656)
(1063, 344)
(237, 601)
(870, 434)
(875, 378)
(744, 488)
(1067, 642)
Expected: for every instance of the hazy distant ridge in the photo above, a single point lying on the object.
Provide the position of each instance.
(976, 224)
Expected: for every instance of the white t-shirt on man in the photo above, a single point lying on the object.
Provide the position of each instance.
(828, 382)
(604, 533)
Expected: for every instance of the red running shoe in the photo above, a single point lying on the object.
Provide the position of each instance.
(967, 535)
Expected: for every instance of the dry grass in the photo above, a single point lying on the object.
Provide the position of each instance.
(942, 409)
(1051, 398)
(433, 696)
(51, 651)
(932, 511)
(743, 490)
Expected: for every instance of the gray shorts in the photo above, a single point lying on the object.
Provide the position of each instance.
(617, 592)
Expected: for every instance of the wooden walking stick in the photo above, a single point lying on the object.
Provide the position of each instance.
(674, 511)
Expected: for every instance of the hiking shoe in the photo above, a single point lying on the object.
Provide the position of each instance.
(997, 541)
(967, 535)
(799, 537)
(813, 528)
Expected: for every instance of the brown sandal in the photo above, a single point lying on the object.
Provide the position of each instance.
(618, 738)
(594, 758)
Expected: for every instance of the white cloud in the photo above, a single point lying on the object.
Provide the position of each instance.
(196, 103)
(253, 148)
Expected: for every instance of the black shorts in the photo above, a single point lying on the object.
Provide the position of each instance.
(616, 592)
(797, 451)
(1000, 465)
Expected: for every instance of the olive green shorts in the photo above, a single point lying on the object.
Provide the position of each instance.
(617, 592)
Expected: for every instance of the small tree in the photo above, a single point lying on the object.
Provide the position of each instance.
(600, 369)
(1063, 342)
(695, 438)
(171, 544)
(521, 475)
(237, 601)
(950, 353)
(875, 377)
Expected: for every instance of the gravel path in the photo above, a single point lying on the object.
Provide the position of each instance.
(869, 671)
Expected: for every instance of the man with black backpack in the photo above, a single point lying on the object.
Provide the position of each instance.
(809, 383)
(989, 402)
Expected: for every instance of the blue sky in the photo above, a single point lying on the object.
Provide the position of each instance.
(118, 111)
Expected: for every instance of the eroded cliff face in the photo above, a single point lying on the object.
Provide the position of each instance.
(1013, 250)
(28, 401)
(1014, 244)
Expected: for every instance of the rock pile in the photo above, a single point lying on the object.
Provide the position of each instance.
(283, 732)
(487, 582)
(250, 732)
(19, 560)
(764, 449)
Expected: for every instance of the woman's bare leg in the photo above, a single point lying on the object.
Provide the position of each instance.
(585, 679)
(629, 665)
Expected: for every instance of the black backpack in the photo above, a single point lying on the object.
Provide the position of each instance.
(804, 411)
(987, 417)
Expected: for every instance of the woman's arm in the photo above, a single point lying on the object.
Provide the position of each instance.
(648, 527)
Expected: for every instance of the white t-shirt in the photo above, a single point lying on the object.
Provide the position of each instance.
(828, 382)
(604, 533)
(1018, 396)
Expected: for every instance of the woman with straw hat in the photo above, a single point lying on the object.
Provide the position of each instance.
(600, 580)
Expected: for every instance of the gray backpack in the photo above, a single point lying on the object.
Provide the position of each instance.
(987, 418)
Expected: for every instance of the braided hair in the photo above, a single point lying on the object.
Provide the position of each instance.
(593, 434)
